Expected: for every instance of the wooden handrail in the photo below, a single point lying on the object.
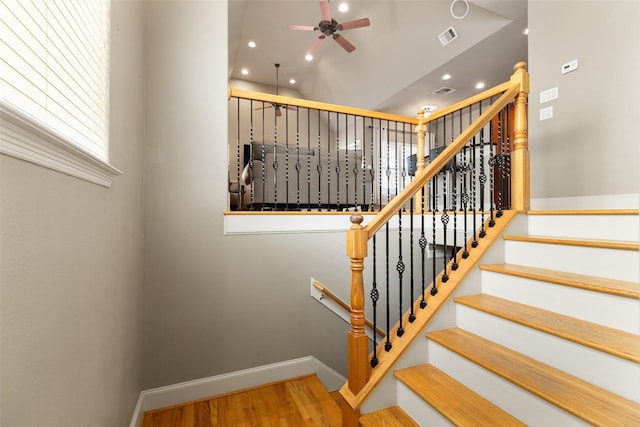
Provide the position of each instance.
(359, 369)
(438, 163)
(315, 105)
(344, 305)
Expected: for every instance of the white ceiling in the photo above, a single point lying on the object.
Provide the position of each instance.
(398, 62)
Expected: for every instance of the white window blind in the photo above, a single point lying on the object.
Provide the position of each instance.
(54, 67)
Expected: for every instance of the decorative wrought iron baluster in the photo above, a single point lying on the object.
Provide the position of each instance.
(298, 166)
(263, 155)
(388, 173)
(423, 245)
(483, 180)
(474, 198)
(319, 164)
(275, 161)
(375, 296)
(372, 171)
(286, 159)
(346, 159)
(492, 172)
(507, 157)
(387, 345)
(400, 267)
(308, 159)
(337, 162)
(329, 161)
(464, 168)
(444, 218)
(238, 160)
(454, 201)
(251, 164)
(500, 160)
(434, 288)
(412, 315)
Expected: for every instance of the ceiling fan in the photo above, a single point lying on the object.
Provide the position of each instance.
(278, 107)
(329, 27)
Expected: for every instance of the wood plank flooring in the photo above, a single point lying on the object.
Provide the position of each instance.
(293, 403)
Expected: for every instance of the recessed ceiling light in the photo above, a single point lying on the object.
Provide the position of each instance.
(292, 81)
(343, 7)
(525, 31)
(251, 44)
(446, 77)
(309, 57)
(244, 71)
(479, 85)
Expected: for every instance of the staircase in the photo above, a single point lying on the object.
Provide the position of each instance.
(552, 338)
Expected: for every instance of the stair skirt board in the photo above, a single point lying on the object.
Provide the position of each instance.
(610, 263)
(615, 374)
(620, 313)
(211, 386)
(523, 405)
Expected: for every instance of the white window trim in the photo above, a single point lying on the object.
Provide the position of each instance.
(24, 138)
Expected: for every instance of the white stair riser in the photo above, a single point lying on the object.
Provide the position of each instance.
(421, 412)
(610, 263)
(617, 375)
(606, 227)
(523, 405)
(608, 310)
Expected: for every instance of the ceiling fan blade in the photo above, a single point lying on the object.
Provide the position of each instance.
(315, 45)
(344, 43)
(301, 27)
(265, 107)
(358, 23)
(326, 10)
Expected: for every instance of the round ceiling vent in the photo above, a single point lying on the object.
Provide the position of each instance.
(459, 8)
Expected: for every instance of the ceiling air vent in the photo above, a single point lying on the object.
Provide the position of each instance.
(444, 91)
(448, 36)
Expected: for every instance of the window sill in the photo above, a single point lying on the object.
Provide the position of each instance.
(24, 138)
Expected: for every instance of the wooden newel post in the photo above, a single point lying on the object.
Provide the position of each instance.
(420, 134)
(358, 342)
(520, 163)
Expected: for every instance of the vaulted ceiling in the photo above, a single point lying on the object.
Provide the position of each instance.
(399, 60)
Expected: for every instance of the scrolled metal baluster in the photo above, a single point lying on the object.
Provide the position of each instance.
(454, 204)
(412, 316)
(375, 296)
(319, 164)
(251, 164)
(423, 245)
(275, 162)
(400, 267)
(286, 159)
(337, 167)
(434, 288)
(387, 345)
(308, 159)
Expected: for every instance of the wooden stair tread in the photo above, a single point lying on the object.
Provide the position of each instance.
(627, 245)
(586, 401)
(453, 400)
(592, 283)
(612, 341)
(392, 416)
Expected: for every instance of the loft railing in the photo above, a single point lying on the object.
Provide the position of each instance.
(297, 155)
(478, 174)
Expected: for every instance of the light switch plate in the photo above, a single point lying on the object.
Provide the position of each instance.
(548, 95)
(546, 113)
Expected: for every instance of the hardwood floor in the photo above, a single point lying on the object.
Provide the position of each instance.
(293, 403)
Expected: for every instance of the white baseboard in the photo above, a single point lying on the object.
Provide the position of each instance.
(614, 201)
(199, 389)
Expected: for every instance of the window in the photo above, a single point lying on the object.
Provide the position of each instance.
(54, 84)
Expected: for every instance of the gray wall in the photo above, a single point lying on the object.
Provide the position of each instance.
(216, 303)
(591, 145)
(71, 271)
